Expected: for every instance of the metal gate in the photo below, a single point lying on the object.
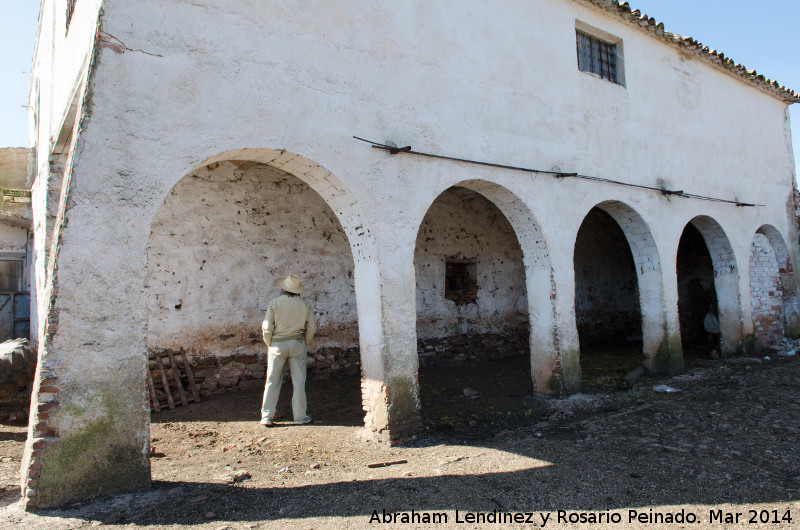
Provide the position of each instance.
(15, 303)
(15, 315)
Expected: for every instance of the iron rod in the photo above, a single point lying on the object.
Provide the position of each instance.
(557, 174)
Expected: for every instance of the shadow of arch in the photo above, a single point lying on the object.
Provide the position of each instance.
(660, 356)
(773, 292)
(726, 281)
(349, 214)
(539, 283)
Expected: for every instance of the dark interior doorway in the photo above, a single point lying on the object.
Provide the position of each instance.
(697, 294)
(607, 310)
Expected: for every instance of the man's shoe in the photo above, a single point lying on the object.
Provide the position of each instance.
(305, 420)
(266, 422)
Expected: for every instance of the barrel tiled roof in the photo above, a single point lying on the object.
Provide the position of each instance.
(688, 44)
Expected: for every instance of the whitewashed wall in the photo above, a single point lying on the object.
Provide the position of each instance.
(461, 224)
(13, 239)
(178, 83)
(218, 245)
(61, 62)
(224, 235)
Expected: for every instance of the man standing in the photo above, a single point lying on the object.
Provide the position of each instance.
(288, 328)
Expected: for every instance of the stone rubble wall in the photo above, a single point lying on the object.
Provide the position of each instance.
(217, 375)
(467, 348)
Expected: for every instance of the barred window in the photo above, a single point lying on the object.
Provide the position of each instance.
(597, 57)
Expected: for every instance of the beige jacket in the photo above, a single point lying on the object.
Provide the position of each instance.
(289, 318)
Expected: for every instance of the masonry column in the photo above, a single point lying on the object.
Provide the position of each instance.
(89, 428)
(398, 321)
(545, 362)
(565, 329)
(671, 352)
(750, 291)
(372, 347)
(727, 282)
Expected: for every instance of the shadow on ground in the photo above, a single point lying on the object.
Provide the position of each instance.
(728, 438)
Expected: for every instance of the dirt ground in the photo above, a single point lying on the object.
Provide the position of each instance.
(725, 443)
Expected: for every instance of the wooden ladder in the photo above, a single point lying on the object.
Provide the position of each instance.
(165, 371)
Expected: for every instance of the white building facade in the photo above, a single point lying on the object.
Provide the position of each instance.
(189, 153)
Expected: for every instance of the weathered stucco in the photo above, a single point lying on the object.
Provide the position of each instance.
(194, 85)
(14, 168)
(219, 243)
(13, 239)
(463, 226)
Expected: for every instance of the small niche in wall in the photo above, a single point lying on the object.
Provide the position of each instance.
(460, 283)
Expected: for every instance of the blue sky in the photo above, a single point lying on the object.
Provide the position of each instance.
(20, 19)
(763, 34)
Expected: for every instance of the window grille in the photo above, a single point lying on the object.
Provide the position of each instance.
(597, 57)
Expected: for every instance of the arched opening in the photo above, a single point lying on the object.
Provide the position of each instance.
(696, 292)
(223, 236)
(773, 292)
(607, 309)
(474, 322)
(707, 290)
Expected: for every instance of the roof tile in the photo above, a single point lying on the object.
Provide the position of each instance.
(638, 19)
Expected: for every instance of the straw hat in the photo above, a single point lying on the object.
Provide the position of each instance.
(291, 283)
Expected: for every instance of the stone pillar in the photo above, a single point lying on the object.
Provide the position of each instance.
(401, 408)
(544, 343)
(89, 426)
(669, 356)
(372, 347)
(565, 329)
(726, 282)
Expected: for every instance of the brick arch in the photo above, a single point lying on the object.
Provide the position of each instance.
(778, 245)
(539, 281)
(647, 262)
(349, 213)
(773, 293)
(726, 281)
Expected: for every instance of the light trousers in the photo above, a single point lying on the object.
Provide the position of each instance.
(295, 352)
